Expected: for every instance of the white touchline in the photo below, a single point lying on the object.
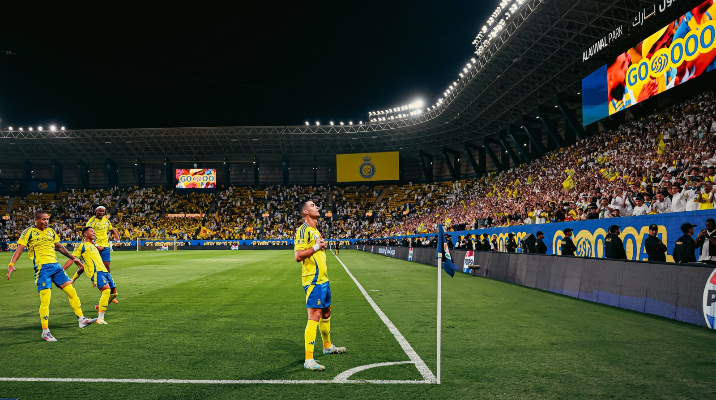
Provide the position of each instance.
(407, 348)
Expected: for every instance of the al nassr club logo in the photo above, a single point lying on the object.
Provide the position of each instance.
(367, 169)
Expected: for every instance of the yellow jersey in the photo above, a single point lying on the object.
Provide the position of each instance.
(40, 245)
(705, 203)
(101, 229)
(89, 255)
(314, 268)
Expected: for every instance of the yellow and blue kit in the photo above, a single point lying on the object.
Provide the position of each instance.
(94, 268)
(314, 274)
(41, 249)
(101, 227)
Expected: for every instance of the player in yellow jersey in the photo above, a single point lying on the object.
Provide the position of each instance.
(41, 242)
(310, 251)
(102, 228)
(96, 271)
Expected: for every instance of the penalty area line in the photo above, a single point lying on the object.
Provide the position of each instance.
(407, 348)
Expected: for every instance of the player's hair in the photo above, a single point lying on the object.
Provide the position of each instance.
(301, 206)
(85, 229)
(38, 214)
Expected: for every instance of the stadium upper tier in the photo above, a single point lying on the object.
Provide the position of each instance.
(535, 60)
(663, 162)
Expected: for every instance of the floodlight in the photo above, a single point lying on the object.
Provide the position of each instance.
(318, 123)
(63, 128)
(341, 122)
(360, 122)
(39, 128)
(306, 123)
(331, 123)
(20, 128)
(30, 128)
(350, 122)
(53, 128)
(11, 128)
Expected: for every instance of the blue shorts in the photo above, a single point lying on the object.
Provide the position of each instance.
(47, 274)
(318, 296)
(102, 278)
(105, 254)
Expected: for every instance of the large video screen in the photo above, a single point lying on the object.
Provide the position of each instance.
(677, 53)
(366, 167)
(201, 178)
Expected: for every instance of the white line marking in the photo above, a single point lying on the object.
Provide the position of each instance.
(407, 348)
(206, 382)
(343, 376)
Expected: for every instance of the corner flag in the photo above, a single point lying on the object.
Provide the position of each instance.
(443, 253)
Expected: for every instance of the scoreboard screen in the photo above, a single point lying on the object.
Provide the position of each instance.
(201, 178)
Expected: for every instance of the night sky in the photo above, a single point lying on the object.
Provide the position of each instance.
(89, 64)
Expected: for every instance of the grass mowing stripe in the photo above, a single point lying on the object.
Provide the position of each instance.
(414, 357)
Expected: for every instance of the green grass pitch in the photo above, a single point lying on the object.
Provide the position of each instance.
(223, 315)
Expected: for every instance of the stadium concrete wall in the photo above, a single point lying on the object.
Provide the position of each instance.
(673, 291)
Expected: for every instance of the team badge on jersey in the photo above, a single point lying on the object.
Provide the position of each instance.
(710, 301)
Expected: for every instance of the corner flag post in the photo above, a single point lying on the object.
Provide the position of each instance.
(444, 262)
(440, 279)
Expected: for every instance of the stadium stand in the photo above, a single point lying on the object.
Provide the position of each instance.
(666, 159)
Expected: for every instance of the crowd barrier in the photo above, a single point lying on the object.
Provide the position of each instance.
(677, 291)
(589, 235)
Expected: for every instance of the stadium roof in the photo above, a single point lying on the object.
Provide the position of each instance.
(536, 56)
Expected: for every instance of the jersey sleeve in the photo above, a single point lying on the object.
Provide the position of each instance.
(78, 251)
(24, 237)
(56, 238)
(89, 222)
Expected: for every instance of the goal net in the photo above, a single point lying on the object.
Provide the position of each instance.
(157, 244)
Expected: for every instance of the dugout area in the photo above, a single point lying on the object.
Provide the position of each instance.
(223, 315)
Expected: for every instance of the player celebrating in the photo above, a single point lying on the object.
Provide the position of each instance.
(102, 228)
(310, 250)
(41, 242)
(101, 279)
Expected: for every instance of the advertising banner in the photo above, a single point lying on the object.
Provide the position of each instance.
(201, 178)
(365, 167)
(677, 53)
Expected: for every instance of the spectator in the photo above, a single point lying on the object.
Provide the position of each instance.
(661, 205)
(613, 246)
(685, 245)
(655, 248)
(640, 208)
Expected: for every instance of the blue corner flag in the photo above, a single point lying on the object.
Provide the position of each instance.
(444, 253)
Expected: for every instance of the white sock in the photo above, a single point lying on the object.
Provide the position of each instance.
(101, 315)
(46, 330)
